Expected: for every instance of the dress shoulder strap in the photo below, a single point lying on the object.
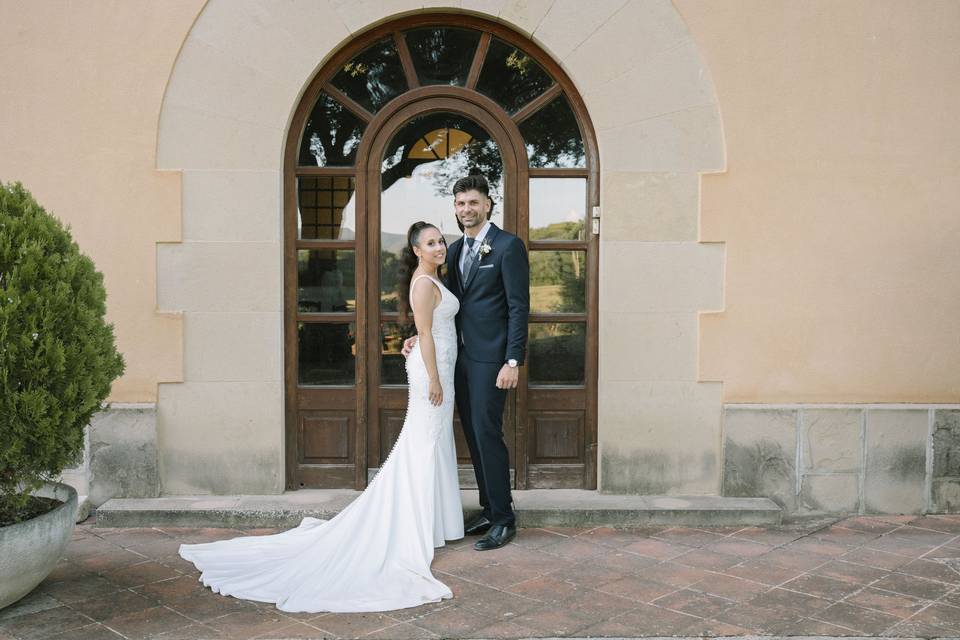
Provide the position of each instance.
(423, 275)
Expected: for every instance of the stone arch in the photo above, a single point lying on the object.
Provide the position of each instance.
(225, 114)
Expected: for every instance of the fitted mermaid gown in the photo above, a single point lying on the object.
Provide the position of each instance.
(375, 555)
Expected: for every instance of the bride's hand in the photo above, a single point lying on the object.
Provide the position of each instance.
(435, 393)
(408, 345)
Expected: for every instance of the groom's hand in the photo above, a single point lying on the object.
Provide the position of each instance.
(508, 377)
(408, 345)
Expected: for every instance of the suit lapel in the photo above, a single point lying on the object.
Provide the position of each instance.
(491, 234)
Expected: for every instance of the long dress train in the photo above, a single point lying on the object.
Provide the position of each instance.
(375, 555)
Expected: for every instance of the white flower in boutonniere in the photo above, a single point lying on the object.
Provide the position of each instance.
(484, 249)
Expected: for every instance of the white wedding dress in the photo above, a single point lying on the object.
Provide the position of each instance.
(375, 555)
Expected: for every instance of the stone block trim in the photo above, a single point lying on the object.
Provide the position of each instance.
(814, 459)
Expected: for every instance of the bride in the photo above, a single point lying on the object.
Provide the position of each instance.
(375, 555)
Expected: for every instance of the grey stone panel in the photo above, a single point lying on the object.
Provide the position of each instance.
(946, 461)
(895, 470)
(653, 471)
(831, 439)
(123, 454)
(946, 443)
(759, 454)
(946, 495)
(832, 493)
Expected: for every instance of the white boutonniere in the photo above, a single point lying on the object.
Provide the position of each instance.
(484, 249)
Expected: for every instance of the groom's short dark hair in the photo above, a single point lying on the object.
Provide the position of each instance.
(474, 182)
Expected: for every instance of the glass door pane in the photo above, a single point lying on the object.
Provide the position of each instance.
(420, 164)
(558, 208)
(419, 167)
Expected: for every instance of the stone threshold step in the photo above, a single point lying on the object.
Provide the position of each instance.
(534, 508)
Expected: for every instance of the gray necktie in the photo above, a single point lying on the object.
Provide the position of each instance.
(468, 263)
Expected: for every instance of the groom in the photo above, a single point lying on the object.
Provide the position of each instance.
(487, 269)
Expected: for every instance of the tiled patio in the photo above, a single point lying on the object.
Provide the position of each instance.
(862, 576)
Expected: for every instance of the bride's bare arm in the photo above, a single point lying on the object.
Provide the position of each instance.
(424, 301)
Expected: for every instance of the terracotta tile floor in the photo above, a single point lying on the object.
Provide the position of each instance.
(861, 576)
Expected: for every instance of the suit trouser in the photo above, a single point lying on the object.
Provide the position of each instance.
(481, 404)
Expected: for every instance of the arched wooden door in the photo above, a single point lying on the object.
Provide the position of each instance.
(381, 135)
(436, 135)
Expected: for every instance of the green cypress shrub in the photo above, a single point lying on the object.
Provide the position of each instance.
(57, 354)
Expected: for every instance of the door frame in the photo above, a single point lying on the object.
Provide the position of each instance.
(497, 123)
(457, 98)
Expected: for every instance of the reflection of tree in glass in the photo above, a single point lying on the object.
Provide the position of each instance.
(326, 353)
(374, 77)
(442, 55)
(558, 231)
(389, 272)
(325, 280)
(511, 77)
(393, 364)
(476, 157)
(557, 353)
(557, 281)
(331, 136)
(480, 155)
(553, 137)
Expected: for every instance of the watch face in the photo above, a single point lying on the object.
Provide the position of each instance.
(511, 363)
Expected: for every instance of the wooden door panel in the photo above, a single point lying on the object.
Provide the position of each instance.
(326, 429)
(555, 476)
(391, 422)
(325, 437)
(556, 438)
(326, 476)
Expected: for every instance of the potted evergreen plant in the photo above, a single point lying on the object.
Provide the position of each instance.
(57, 361)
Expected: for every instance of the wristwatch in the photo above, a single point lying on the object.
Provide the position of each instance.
(512, 363)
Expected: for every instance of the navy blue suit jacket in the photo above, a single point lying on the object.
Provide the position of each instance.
(495, 303)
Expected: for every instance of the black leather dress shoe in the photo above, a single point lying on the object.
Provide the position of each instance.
(480, 524)
(499, 535)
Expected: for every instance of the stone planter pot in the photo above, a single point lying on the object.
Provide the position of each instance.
(29, 550)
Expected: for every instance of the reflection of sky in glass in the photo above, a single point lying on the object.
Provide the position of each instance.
(415, 198)
(555, 200)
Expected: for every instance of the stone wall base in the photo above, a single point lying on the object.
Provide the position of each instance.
(810, 459)
(120, 458)
(840, 458)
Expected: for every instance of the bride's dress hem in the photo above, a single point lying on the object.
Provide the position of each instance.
(375, 555)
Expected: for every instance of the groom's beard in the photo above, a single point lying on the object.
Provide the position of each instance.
(477, 223)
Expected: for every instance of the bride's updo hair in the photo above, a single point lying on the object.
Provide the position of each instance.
(408, 264)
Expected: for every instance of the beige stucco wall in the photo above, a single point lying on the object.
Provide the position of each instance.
(80, 92)
(839, 203)
(820, 264)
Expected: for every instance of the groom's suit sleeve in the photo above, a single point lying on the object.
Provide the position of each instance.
(516, 281)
